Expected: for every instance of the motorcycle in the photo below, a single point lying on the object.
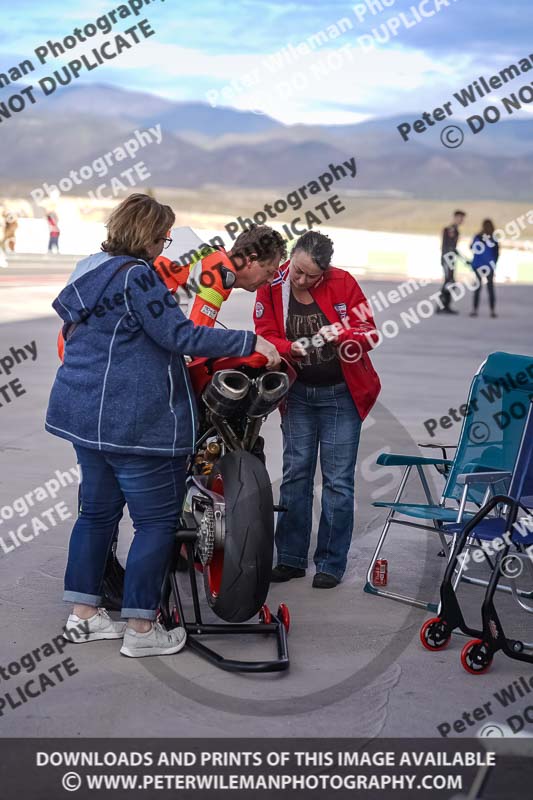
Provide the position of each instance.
(227, 522)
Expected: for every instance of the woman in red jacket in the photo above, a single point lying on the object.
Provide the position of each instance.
(317, 316)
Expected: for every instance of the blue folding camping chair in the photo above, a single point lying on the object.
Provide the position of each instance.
(490, 437)
(508, 536)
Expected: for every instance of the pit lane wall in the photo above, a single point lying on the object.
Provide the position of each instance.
(372, 254)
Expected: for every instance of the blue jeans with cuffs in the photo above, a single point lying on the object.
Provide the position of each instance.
(325, 419)
(153, 488)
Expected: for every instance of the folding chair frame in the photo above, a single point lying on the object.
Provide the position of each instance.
(449, 468)
(447, 546)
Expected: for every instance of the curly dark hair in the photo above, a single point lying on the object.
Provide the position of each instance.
(318, 246)
(260, 241)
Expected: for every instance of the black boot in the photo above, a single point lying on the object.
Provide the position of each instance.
(323, 580)
(283, 573)
(113, 583)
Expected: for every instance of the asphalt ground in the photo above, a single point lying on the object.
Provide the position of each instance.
(357, 667)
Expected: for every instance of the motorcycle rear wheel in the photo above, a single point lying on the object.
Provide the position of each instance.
(237, 579)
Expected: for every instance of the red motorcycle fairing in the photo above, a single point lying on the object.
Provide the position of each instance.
(201, 370)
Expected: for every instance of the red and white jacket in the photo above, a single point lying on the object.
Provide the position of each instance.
(341, 300)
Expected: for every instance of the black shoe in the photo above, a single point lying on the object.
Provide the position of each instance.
(451, 311)
(473, 313)
(113, 584)
(494, 315)
(283, 573)
(324, 581)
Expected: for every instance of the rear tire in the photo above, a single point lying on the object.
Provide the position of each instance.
(238, 579)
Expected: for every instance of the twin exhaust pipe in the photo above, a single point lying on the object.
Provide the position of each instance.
(232, 393)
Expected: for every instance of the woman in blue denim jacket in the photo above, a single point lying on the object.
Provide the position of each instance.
(123, 398)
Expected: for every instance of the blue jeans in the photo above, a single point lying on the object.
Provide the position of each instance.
(325, 418)
(153, 488)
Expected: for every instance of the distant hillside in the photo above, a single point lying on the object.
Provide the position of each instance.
(147, 109)
(203, 146)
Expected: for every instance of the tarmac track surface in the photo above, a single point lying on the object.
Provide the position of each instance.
(357, 668)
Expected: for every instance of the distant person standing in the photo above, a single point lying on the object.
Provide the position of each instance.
(450, 238)
(3, 259)
(486, 254)
(53, 228)
(10, 230)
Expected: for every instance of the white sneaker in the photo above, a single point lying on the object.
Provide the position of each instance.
(101, 626)
(157, 642)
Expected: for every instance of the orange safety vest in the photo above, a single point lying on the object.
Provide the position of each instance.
(207, 280)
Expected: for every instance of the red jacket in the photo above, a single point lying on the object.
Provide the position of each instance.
(339, 297)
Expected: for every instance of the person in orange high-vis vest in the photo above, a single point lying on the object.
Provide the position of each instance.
(206, 283)
(208, 280)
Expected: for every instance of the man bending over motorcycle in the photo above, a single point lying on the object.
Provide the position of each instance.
(209, 278)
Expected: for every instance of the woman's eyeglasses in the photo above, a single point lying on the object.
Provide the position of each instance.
(166, 242)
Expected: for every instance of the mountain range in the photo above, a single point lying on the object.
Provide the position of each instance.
(204, 146)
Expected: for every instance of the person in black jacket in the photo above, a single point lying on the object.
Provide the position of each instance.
(450, 237)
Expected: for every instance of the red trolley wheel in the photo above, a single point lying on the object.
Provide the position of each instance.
(284, 616)
(434, 634)
(265, 615)
(476, 657)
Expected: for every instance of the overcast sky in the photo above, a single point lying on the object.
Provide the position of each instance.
(200, 48)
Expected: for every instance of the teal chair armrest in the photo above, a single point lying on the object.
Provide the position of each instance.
(395, 460)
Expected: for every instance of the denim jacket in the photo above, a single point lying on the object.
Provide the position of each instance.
(123, 386)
